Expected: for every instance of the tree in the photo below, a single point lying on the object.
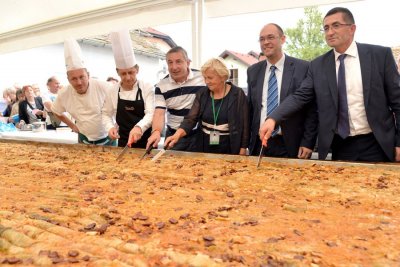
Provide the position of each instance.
(306, 41)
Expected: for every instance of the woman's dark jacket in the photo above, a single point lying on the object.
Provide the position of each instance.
(23, 112)
(238, 118)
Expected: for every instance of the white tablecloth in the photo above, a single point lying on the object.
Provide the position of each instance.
(50, 136)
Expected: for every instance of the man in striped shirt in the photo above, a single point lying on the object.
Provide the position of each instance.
(175, 95)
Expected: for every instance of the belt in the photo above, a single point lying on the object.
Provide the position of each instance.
(102, 141)
(209, 132)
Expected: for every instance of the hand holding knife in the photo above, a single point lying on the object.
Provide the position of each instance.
(147, 152)
(263, 146)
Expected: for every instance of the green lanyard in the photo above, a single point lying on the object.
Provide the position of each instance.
(213, 106)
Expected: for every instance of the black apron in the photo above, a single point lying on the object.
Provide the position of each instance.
(129, 113)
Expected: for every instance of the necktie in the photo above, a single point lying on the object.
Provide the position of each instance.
(343, 126)
(272, 98)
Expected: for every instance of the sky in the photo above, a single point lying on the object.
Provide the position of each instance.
(376, 21)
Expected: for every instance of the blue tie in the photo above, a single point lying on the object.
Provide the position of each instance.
(343, 126)
(272, 98)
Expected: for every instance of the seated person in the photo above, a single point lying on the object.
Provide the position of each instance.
(31, 109)
(15, 108)
(221, 111)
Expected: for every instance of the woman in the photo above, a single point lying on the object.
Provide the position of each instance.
(10, 97)
(31, 109)
(221, 110)
(15, 108)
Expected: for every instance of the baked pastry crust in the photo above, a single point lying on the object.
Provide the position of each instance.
(75, 204)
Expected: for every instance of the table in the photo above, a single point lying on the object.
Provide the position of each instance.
(50, 136)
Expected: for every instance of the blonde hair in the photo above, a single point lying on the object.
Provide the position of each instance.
(218, 65)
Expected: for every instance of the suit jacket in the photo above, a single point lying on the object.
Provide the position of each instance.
(300, 129)
(381, 91)
(23, 112)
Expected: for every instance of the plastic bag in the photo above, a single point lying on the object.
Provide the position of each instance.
(7, 127)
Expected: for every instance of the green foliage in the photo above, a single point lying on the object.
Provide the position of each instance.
(306, 41)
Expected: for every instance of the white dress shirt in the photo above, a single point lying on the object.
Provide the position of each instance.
(278, 74)
(355, 95)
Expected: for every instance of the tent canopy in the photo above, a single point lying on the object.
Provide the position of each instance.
(27, 24)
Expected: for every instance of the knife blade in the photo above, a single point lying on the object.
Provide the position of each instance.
(159, 154)
(260, 156)
(147, 152)
(275, 132)
(122, 153)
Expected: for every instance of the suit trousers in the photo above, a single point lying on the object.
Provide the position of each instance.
(362, 147)
(275, 148)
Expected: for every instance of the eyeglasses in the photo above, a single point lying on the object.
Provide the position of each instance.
(268, 38)
(335, 26)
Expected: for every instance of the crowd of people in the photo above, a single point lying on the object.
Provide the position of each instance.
(347, 99)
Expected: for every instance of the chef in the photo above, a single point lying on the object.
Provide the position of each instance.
(83, 99)
(129, 106)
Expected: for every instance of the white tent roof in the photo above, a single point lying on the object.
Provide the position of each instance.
(27, 24)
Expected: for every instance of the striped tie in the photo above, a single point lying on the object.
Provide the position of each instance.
(272, 98)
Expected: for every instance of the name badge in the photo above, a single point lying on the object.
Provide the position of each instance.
(214, 138)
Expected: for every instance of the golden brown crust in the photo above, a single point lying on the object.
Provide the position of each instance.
(78, 205)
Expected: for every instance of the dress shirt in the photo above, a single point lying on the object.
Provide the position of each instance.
(355, 95)
(278, 73)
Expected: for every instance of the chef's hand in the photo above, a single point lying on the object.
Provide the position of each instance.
(113, 133)
(74, 128)
(154, 139)
(304, 153)
(134, 135)
(266, 130)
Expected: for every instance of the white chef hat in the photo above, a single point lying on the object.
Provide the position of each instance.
(122, 48)
(73, 55)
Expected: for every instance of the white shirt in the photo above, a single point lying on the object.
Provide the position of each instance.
(109, 110)
(278, 74)
(84, 108)
(49, 97)
(355, 95)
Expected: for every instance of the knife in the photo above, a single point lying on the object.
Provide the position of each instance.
(260, 156)
(122, 153)
(159, 154)
(275, 132)
(147, 152)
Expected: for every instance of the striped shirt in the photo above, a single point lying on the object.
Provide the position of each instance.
(177, 98)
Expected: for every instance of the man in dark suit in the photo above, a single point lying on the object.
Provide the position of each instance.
(296, 136)
(357, 90)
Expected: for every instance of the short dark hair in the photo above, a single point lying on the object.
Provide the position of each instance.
(177, 49)
(347, 15)
(49, 80)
